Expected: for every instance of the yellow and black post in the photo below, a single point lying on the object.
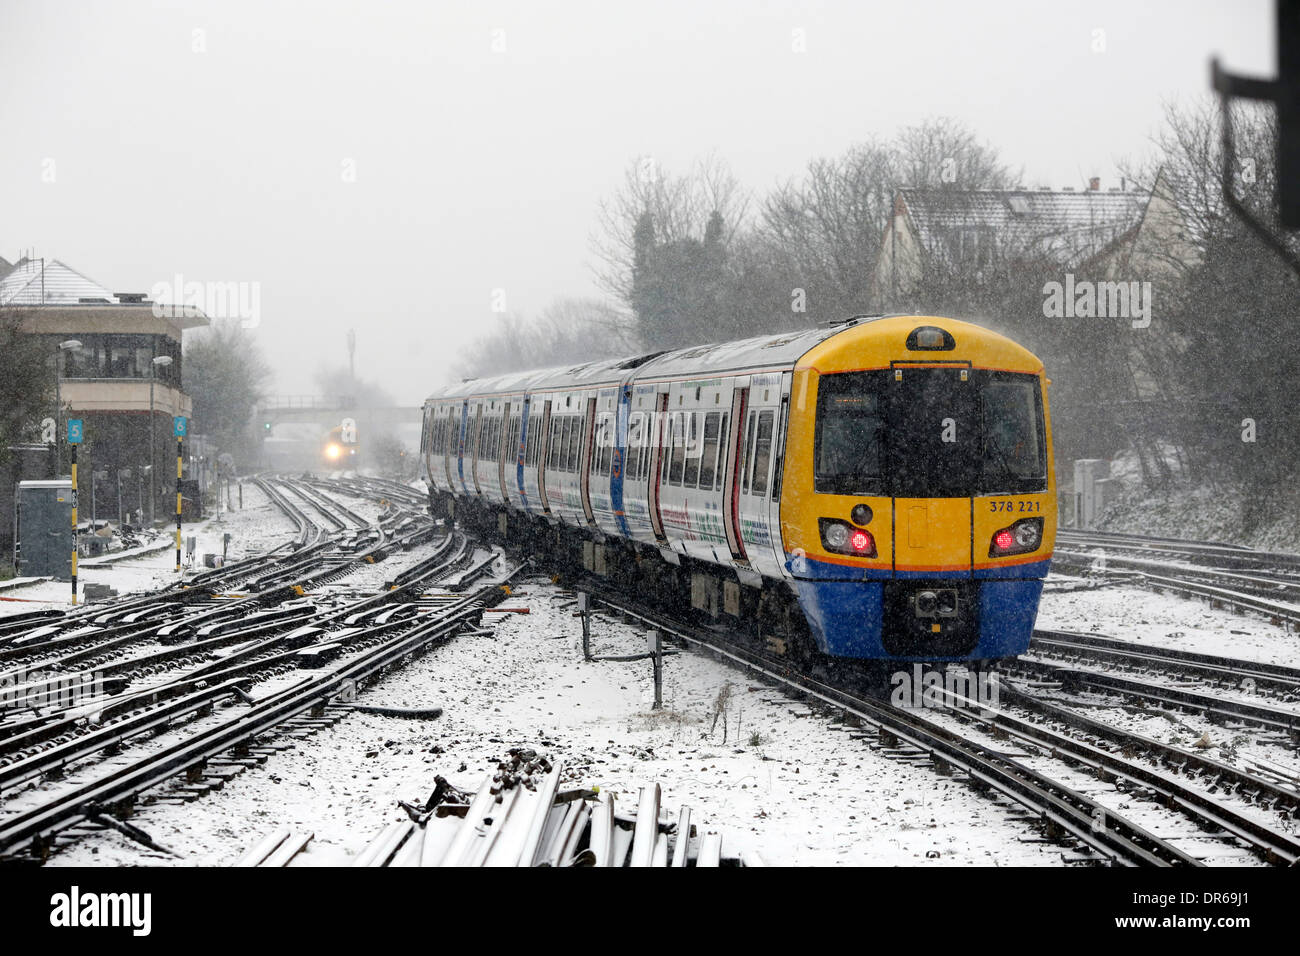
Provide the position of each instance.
(74, 523)
(178, 429)
(74, 439)
(179, 439)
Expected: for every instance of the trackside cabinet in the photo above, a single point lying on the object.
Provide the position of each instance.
(43, 529)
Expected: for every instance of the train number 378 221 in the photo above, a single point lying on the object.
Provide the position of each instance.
(1005, 504)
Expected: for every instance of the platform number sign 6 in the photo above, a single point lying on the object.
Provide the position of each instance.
(348, 431)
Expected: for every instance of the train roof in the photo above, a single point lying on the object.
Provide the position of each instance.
(781, 350)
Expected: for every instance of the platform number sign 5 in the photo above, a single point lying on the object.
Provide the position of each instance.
(74, 431)
(348, 431)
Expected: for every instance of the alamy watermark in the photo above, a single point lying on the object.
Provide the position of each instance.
(922, 688)
(46, 690)
(216, 300)
(1086, 299)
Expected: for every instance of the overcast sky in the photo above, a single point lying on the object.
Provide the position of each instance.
(386, 166)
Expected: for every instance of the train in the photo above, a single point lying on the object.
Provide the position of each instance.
(340, 446)
(877, 488)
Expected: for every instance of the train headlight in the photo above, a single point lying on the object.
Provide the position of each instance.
(332, 451)
(842, 538)
(1020, 538)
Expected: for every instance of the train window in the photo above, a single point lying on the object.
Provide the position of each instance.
(709, 457)
(747, 452)
(779, 450)
(850, 426)
(607, 444)
(721, 474)
(1012, 449)
(632, 468)
(763, 452)
(667, 444)
(551, 453)
(566, 440)
(679, 450)
(691, 474)
(575, 446)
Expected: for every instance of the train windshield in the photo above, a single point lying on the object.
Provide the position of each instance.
(929, 433)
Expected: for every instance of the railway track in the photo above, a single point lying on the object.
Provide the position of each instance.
(1266, 583)
(1064, 810)
(1224, 672)
(344, 646)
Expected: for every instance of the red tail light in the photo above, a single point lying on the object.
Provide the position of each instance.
(1024, 536)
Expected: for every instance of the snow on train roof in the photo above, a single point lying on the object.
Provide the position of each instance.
(782, 350)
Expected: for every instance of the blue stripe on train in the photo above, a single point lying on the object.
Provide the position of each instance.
(846, 617)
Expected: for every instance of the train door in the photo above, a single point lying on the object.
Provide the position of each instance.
(543, 452)
(507, 443)
(429, 429)
(778, 472)
(731, 474)
(755, 481)
(449, 442)
(462, 445)
(658, 437)
(472, 446)
(584, 463)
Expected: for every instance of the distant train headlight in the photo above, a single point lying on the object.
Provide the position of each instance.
(1022, 537)
(842, 538)
(332, 451)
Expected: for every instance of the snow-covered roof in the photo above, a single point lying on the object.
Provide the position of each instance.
(782, 349)
(49, 282)
(1069, 225)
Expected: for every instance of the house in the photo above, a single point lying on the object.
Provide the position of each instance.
(980, 233)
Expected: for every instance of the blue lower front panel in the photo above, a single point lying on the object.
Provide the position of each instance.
(851, 618)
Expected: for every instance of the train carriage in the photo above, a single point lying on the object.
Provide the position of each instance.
(878, 488)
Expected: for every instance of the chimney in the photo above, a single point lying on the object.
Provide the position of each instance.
(1094, 184)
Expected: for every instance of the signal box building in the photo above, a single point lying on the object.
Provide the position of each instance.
(106, 382)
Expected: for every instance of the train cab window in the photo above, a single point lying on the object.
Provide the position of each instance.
(709, 454)
(762, 453)
(678, 462)
(850, 424)
(691, 474)
(1012, 451)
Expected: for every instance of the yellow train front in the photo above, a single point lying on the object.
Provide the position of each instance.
(919, 504)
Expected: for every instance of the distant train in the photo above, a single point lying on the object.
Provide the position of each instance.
(340, 447)
(879, 488)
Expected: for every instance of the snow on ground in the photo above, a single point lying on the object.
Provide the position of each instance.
(1166, 620)
(786, 782)
(259, 526)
